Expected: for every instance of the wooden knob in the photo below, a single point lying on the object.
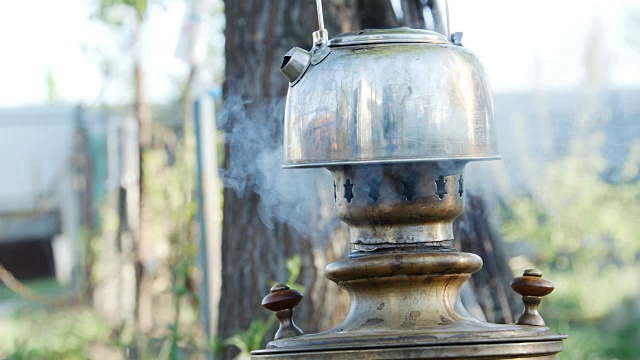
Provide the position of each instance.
(282, 297)
(531, 283)
(281, 300)
(532, 286)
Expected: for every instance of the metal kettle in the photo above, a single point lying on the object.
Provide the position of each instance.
(387, 95)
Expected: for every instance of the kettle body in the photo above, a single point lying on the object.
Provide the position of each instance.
(387, 95)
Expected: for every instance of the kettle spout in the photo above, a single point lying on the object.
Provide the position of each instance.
(295, 63)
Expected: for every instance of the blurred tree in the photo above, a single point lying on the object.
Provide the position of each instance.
(154, 218)
(129, 16)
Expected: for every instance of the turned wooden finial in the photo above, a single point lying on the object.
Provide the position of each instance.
(282, 300)
(532, 286)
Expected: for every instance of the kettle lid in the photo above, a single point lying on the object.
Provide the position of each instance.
(386, 36)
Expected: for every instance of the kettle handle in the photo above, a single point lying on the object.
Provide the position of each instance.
(320, 37)
(320, 16)
(439, 10)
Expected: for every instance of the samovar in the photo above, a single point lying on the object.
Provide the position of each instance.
(395, 115)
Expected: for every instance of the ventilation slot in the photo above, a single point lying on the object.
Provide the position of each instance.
(440, 187)
(348, 191)
(374, 189)
(409, 187)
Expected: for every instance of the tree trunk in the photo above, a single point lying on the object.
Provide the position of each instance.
(376, 14)
(258, 34)
(144, 142)
(143, 119)
(413, 12)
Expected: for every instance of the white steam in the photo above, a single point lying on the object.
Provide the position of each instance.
(301, 198)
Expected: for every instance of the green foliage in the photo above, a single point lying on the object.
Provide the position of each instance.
(250, 339)
(46, 287)
(584, 229)
(577, 212)
(65, 335)
(622, 329)
(294, 265)
(615, 337)
(111, 11)
(23, 351)
(169, 217)
(585, 341)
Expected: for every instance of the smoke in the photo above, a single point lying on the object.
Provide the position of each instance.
(300, 198)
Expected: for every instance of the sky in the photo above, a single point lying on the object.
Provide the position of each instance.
(61, 38)
(542, 43)
(523, 44)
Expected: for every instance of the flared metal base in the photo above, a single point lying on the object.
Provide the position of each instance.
(405, 305)
(543, 348)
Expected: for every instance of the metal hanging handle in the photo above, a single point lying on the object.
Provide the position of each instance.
(320, 37)
(320, 15)
(439, 11)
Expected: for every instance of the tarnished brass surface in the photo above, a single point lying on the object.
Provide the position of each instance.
(393, 205)
(399, 95)
(404, 305)
(404, 277)
(539, 350)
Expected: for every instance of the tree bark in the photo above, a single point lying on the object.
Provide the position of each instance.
(258, 34)
(376, 14)
(413, 13)
(143, 118)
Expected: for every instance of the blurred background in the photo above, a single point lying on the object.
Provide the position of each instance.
(144, 214)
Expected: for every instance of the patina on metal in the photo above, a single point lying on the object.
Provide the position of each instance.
(404, 277)
(408, 301)
(394, 206)
(391, 95)
(395, 115)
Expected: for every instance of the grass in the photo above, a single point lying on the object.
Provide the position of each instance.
(34, 333)
(616, 336)
(46, 287)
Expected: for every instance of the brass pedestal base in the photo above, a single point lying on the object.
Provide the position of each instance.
(405, 305)
(541, 350)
